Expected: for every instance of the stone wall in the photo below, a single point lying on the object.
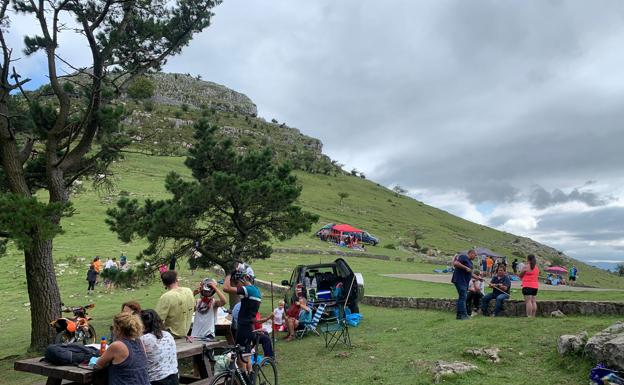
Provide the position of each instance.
(266, 285)
(512, 308)
(281, 250)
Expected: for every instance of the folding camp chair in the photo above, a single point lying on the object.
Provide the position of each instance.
(311, 326)
(335, 332)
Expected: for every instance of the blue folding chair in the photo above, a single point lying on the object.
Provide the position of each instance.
(312, 325)
(337, 331)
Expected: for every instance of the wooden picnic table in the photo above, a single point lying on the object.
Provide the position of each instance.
(84, 375)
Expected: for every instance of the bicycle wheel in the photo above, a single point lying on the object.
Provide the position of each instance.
(266, 372)
(226, 378)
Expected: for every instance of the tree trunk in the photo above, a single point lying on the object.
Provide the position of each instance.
(43, 292)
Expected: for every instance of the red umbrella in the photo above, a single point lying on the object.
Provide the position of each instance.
(557, 269)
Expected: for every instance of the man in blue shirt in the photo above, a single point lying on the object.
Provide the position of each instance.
(500, 284)
(573, 273)
(461, 278)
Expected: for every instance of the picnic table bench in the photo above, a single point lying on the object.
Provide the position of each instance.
(84, 375)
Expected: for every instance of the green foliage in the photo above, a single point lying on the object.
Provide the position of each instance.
(234, 207)
(20, 215)
(127, 278)
(178, 114)
(557, 260)
(389, 246)
(343, 195)
(619, 270)
(141, 88)
(148, 105)
(185, 107)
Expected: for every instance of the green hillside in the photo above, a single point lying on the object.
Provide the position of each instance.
(369, 206)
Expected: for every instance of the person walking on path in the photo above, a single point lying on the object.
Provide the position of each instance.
(501, 284)
(530, 284)
(572, 275)
(175, 307)
(514, 266)
(461, 278)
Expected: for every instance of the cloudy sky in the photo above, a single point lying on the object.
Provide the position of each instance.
(506, 113)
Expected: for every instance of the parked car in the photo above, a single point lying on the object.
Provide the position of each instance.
(370, 239)
(317, 282)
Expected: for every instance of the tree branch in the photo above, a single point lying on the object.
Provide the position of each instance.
(25, 153)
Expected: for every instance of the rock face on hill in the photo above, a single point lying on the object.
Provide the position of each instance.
(163, 123)
(178, 89)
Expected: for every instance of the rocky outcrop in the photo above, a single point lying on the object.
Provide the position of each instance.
(571, 344)
(489, 353)
(608, 346)
(178, 89)
(442, 369)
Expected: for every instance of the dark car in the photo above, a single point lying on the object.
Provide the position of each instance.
(370, 239)
(318, 283)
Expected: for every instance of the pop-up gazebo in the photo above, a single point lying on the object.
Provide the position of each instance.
(337, 231)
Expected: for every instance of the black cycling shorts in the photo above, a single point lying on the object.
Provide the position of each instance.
(245, 336)
(529, 291)
(572, 278)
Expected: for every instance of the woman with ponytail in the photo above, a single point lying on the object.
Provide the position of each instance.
(530, 283)
(126, 356)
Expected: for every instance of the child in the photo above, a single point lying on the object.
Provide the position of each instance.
(278, 317)
(91, 278)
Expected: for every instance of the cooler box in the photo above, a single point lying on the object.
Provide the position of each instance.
(326, 295)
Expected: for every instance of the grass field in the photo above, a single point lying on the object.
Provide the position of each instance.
(381, 355)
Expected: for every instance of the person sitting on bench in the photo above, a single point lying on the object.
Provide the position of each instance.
(500, 284)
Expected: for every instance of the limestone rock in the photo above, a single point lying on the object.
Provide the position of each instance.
(490, 353)
(571, 344)
(557, 314)
(614, 350)
(443, 369)
(608, 346)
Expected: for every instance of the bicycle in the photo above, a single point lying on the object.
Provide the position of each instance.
(263, 372)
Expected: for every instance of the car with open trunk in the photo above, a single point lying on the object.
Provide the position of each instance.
(319, 283)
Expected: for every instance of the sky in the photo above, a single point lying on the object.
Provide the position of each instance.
(506, 113)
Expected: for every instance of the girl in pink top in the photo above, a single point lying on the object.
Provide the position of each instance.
(530, 284)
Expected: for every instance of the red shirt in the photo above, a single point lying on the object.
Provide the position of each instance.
(257, 325)
(530, 278)
(293, 311)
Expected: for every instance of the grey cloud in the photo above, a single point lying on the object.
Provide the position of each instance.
(600, 224)
(540, 198)
(483, 96)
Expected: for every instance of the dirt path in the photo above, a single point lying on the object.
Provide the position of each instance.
(446, 278)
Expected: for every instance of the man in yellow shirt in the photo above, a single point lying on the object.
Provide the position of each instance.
(175, 307)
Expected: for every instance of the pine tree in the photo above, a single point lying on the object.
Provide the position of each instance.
(230, 212)
(51, 138)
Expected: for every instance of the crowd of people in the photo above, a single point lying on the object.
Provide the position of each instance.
(143, 350)
(96, 268)
(470, 285)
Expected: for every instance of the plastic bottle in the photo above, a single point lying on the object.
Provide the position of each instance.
(103, 346)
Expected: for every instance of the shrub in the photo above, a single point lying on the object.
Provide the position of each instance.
(148, 105)
(390, 246)
(185, 107)
(178, 114)
(141, 88)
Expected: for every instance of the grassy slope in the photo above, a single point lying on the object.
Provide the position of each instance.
(395, 360)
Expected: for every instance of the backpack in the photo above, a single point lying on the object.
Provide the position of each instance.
(69, 354)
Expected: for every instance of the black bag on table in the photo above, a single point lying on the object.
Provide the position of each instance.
(69, 354)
